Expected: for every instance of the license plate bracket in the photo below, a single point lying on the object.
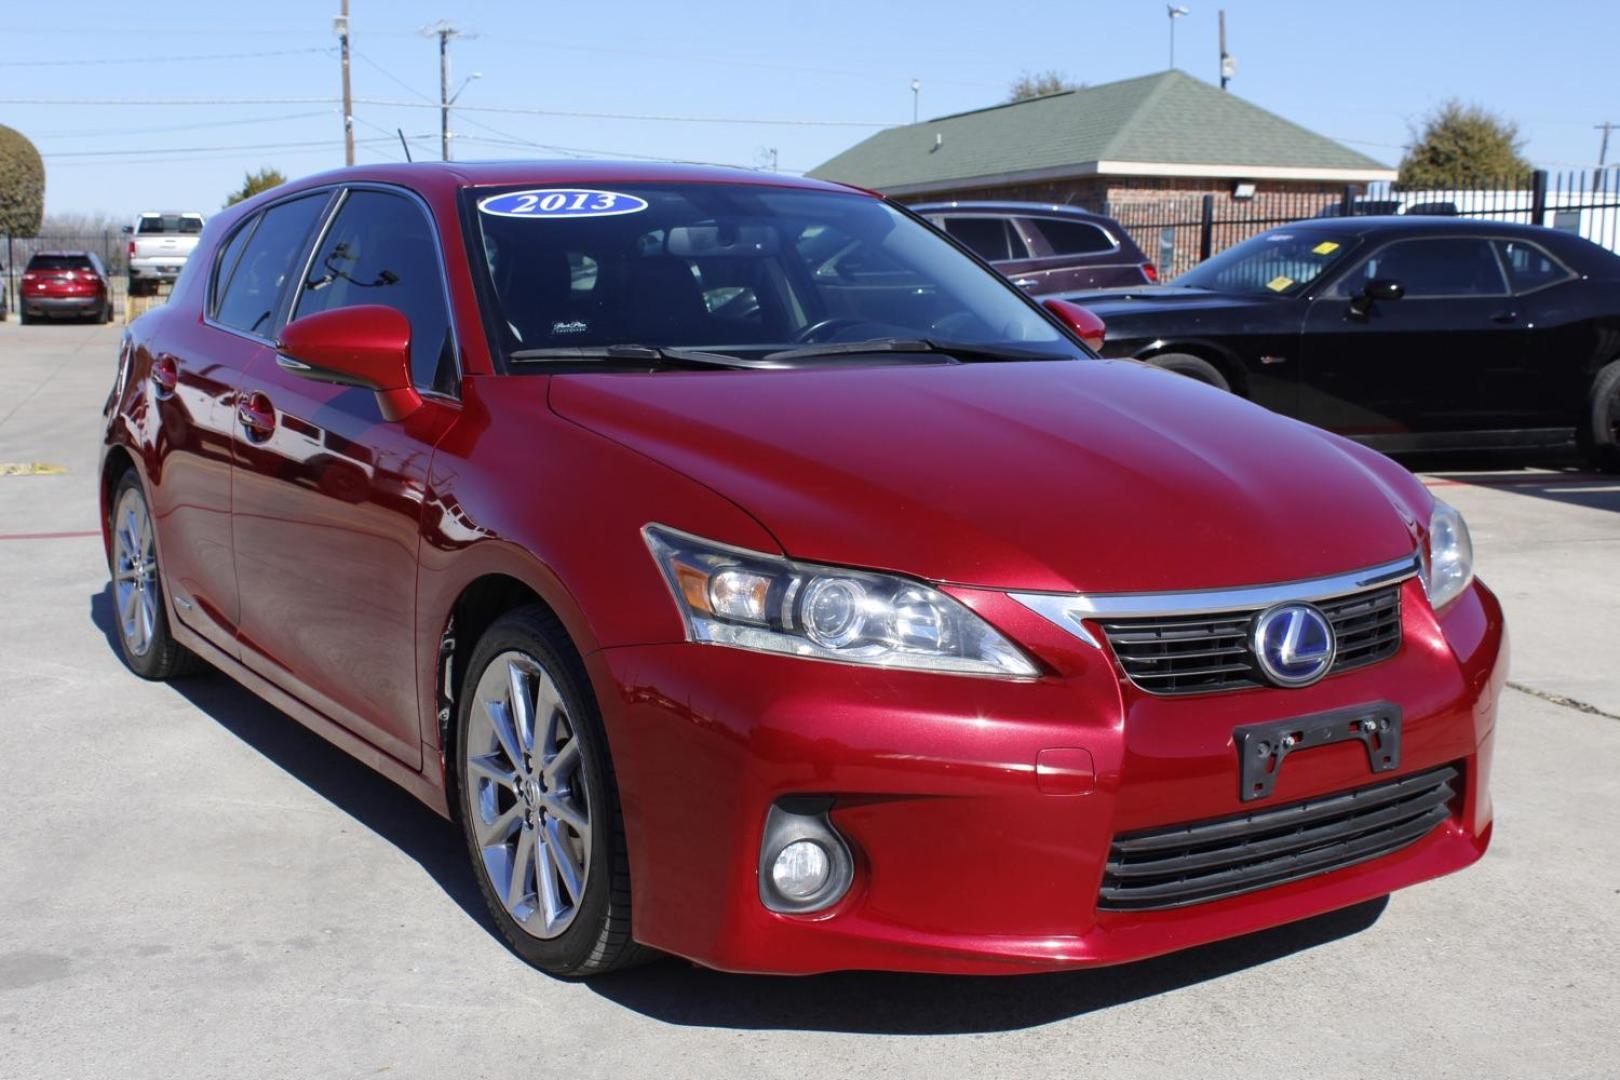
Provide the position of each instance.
(1262, 748)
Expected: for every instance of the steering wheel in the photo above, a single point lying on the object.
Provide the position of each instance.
(818, 332)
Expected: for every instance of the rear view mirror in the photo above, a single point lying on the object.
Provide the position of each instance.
(696, 241)
(1086, 325)
(367, 346)
(1375, 290)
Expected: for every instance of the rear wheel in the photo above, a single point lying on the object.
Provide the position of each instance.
(1599, 429)
(1193, 367)
(538, 805)
(24, 317)
(147, 646)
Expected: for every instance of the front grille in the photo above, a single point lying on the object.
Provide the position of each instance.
(1192, 864)
(1198, 654)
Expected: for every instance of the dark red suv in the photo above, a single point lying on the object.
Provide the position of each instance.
(1045, 248)
(66, 284)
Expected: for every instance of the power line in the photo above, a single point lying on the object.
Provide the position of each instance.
(517, 110)
(92, 132)
(98, 62)
(401, 83)
(194, 149)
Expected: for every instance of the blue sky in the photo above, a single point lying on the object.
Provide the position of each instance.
(1359, 72)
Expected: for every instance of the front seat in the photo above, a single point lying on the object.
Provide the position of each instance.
(664, 303)
(535, 292)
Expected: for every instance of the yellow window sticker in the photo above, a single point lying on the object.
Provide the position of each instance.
(1279, 283)
(1326, 247)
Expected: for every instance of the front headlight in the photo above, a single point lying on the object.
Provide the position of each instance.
(1448, 558)
(730, 596)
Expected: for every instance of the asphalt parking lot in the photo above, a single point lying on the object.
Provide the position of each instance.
(192, 885)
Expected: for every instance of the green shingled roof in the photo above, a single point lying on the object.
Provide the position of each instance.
(1168, 119)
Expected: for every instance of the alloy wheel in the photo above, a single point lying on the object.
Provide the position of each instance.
(524, 783)
(135, 582)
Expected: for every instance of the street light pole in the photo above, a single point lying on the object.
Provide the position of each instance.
(916, 86)
(1175, 12)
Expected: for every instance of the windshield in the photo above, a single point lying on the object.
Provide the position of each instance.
(736, 269)
(1282, 263)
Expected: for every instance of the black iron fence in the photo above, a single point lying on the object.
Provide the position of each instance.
(1181, 232)
(109, 245)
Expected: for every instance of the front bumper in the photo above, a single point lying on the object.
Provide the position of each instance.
(963, 863)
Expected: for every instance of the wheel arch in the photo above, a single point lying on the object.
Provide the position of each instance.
(1224, 360)
(117, 462)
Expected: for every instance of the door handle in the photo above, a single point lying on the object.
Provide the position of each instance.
(1504, 317)
(256, 415)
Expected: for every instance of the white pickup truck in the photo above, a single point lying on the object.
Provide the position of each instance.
(160, 241)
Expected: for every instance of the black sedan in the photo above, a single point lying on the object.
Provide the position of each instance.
(1405, 333)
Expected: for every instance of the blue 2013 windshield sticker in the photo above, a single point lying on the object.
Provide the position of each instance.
(562, 203)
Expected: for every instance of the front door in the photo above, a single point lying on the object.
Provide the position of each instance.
(1424, 363)
(329, 495)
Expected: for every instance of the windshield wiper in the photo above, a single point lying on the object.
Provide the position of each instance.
(636, 353)
(959, 350)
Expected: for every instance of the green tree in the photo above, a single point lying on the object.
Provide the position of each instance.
(1039, 84)
(1463, 146)
(22, 185)
(255, 182)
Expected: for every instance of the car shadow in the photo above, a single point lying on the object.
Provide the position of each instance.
(1562, 478)
(879, 1003)
(679, 993)
(365, 795)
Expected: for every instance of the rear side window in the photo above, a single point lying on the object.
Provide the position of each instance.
(183, 224)
(1442, 266)
(227, 262)
(1529, 267)
(60, 262)
(989, 238)
(248, 301)
(380, 250)
(1074, 237)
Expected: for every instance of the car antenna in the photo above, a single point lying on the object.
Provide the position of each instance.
(405, 145)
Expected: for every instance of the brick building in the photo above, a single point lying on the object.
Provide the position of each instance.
(1143, 150)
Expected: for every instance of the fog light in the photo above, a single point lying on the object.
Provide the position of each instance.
(804, 865)
(801, 870)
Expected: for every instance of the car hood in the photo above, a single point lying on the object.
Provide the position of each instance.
(1118, 305)
(1095, 476)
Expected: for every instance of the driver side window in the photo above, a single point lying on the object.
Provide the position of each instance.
(1433, 267)
(380, 250)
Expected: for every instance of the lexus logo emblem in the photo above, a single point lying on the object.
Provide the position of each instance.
(1294, 644)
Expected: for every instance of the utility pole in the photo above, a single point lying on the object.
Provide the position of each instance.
(1176, 12)
(341, 27)
(916, 88)
(444, 32)
(1228, 65)
(1603, 153)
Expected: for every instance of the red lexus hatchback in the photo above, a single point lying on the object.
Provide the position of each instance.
(755, 577)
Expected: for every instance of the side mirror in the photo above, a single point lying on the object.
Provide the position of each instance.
(1375, 290)
(367, 346)
(127, 229)
(1087, 326)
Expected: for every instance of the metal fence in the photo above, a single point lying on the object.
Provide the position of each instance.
(1179, 233)
(111, 246)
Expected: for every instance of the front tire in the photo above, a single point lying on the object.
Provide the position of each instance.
(537, 801)
(1193, 367)
(144, 639)
(1599, 429)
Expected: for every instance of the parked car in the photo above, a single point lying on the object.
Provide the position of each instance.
(1403, 333)
(755, 577)
(65, 285)
(159, 244)
(1045, 248)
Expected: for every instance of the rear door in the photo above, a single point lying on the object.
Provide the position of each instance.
(1076, 254)
(1431, 362)
(198, 368)
(329, 494)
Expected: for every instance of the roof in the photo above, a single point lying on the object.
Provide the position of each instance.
(567, 171)
(1008, 208)
(1169, 124)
